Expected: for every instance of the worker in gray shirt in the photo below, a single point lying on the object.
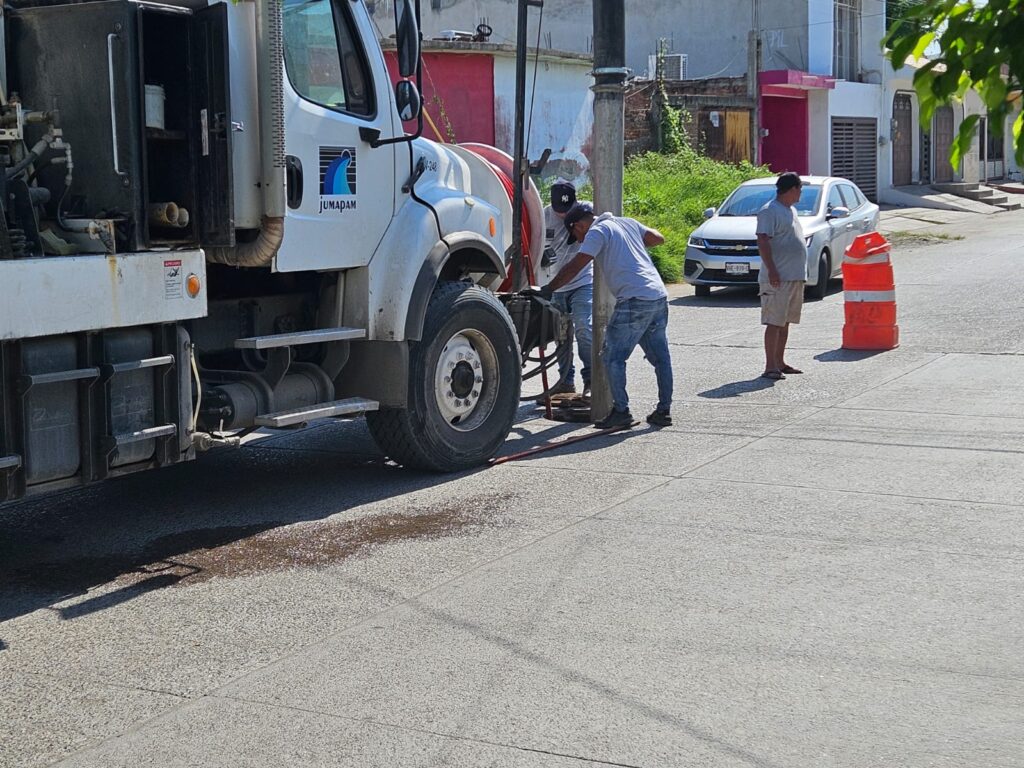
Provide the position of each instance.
(576, 297)
(780, 241)
(620, 244)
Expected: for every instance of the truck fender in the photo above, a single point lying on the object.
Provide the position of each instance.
(453, 258)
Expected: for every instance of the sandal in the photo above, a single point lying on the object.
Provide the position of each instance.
(790, 369)
(773, 375)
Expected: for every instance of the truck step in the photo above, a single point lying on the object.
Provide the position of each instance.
(126, 438)
(139, 365)
(315, 336)
(296, 416)
(9, 462)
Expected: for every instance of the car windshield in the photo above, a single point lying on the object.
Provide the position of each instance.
(748, 200)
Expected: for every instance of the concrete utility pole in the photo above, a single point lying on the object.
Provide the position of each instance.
(606, 166)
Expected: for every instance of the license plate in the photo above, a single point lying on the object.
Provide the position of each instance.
(737, 268)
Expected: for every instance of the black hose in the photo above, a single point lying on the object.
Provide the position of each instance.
(420, 200)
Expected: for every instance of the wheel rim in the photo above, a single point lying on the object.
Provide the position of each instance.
(466, 380)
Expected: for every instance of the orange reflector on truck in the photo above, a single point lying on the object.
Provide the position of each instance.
(193, 285)
(494, 228)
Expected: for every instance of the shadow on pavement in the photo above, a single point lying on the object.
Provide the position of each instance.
(738, 388)
(841, 355)
(725, 297)
(233, 512)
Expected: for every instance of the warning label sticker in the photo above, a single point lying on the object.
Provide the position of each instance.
(173, 279)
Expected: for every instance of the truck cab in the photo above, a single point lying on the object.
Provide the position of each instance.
(216, 222)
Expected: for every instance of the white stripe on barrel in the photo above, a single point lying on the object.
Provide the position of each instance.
(878, 258)
(872, 296)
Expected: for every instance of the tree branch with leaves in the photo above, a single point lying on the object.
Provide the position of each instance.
(981, 48)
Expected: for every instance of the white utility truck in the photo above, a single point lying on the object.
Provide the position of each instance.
(213, 220)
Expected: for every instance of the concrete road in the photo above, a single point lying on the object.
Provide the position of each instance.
(821, 571)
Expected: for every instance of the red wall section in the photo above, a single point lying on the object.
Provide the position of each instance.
(464, 85)
(785, 146)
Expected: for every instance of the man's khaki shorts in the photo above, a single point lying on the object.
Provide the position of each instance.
(781, 306)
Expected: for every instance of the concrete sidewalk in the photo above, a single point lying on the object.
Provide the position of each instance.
(820, 571)
(893, 219)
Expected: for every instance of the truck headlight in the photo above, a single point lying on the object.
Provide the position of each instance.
(697, 242)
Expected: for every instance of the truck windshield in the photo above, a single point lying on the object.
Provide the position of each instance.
(748, 200)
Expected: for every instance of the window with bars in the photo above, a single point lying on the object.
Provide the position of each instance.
(846, 56)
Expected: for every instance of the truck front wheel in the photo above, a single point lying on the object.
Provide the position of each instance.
(464, 382)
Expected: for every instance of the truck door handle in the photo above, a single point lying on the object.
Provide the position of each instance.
(293, 181)
(113, 106)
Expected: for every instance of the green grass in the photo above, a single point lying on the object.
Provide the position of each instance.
(920, 237)
(670, 192)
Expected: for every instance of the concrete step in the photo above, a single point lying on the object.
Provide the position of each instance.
(1014, 206)
(955, 188)
(992, 199)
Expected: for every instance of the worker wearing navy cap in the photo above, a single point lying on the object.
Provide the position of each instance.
(576, 297)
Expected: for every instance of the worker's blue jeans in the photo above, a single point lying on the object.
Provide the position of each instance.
(643, 322)
(579, 305)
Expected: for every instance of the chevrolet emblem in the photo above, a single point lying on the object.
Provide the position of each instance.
(740, 247)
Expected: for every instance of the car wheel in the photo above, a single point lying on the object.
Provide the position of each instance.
(820, 288)
(702, 290)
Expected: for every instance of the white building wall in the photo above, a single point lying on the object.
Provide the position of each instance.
(845, 100)
(713, 37)
(562, 117)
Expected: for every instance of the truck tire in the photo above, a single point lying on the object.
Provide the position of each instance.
(464, 385)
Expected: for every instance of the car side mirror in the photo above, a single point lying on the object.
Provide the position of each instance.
(709, 212)
(839, 212)
(408, 101)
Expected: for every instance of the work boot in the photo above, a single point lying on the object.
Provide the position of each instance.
(615, 419)
(562, 388)
(660, 418)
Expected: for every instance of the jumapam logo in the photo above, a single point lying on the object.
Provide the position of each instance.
(337, 178)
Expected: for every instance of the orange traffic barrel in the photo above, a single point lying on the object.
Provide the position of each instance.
(870, 292)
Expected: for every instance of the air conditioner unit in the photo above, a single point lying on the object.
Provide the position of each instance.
(674, 66)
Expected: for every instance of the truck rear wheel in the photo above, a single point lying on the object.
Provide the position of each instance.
(464, 382)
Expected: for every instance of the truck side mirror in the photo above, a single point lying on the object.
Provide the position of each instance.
(709, 212)
(408, 100)
(408, 39)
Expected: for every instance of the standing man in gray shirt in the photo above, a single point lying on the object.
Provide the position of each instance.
(780, 240)
(620, 244)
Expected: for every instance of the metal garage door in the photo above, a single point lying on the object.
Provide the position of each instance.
(855, 152)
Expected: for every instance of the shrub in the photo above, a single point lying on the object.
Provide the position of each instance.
(670, 193)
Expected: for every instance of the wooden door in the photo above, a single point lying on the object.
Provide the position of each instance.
(942, 142)
(902, 140)
(737, 136)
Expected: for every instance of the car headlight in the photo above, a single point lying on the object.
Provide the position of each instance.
(698, 242)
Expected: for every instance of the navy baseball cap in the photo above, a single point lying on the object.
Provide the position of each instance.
(563, 195)
(577, 212)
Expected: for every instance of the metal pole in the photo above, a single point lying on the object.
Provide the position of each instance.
(606, 166)
(519, 142)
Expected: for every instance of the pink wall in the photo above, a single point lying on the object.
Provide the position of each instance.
(785, 146)
(463, 83)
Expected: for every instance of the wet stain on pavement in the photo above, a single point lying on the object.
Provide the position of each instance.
(194, 556)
